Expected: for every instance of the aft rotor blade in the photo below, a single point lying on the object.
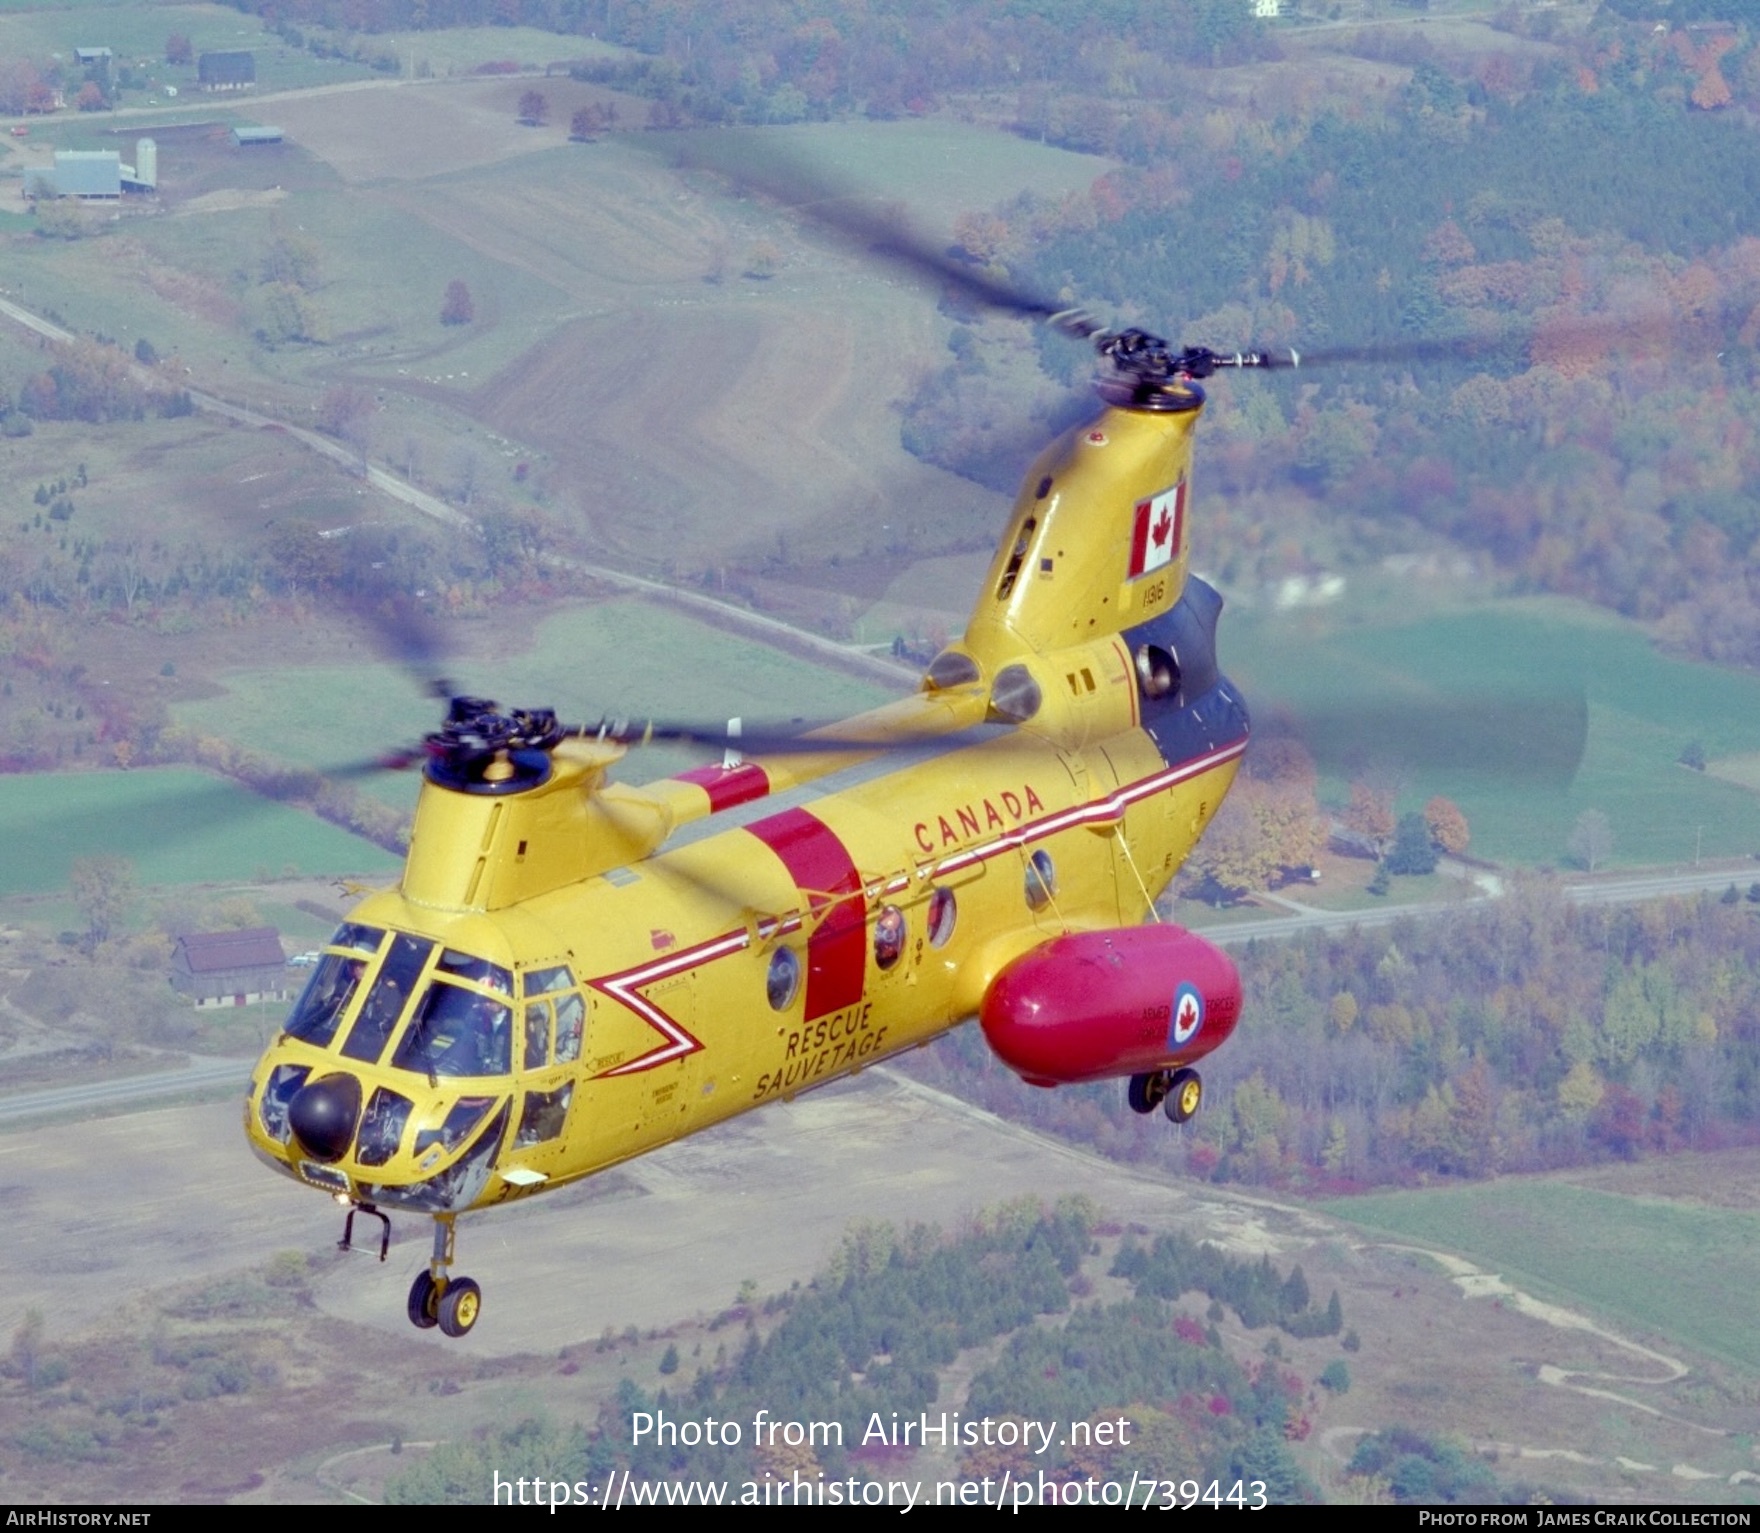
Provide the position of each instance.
(1536, 740)
(1640, 330)
(873, 228)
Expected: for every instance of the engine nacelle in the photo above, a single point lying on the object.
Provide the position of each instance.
(1094, 1005)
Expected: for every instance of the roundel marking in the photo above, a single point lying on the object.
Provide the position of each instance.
(1188, 1015)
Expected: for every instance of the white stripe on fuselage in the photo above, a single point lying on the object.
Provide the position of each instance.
(623, 987)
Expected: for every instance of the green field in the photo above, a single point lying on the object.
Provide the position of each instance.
(1644, 708)
(458, 50)
(1679, 1270)
(135, 31)
(175, 826)
(939, 168)
(624, 658)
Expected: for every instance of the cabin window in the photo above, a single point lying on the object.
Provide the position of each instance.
(1041, 880)
(326, 996)
(943, 915)
(544, 1114)
(784, 979)
(571, 1018)
(890, 933)
(537, 1053)
(457, 1032)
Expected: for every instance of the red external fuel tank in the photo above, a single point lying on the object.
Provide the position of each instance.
(1093, 1005)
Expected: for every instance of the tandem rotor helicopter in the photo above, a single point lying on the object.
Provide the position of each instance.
(572, 971)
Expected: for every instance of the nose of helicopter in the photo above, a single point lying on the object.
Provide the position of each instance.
(323, 1114)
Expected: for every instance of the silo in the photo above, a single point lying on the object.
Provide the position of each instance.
(146, 162)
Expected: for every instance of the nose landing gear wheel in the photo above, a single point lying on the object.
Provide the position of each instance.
(1184, 1096)
(1146, 1092)
(424, 1302)
(459, 1306)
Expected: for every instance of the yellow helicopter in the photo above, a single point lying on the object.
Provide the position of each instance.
(572, 971)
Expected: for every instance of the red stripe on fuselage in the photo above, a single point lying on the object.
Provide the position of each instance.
(819, 864)
(728, 786)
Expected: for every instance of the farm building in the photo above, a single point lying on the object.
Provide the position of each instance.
(244, 137)
(97, 173)
(236, 968)
(236, 70)
(80, 173)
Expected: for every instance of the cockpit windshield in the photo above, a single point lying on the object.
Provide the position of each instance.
(383, 1006)
(326, 996)
(456, 1031)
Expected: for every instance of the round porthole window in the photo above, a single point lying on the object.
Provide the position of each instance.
(943, 915)
(1041, 880)
(784, 979)
(889, 936)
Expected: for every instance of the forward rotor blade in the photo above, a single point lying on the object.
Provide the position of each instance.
(790, 739)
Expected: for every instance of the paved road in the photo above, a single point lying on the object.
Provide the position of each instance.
(769, 630)
(129, 1091)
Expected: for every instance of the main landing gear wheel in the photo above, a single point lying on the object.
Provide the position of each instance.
(1146, 1092)
(459, 1306)
(1184, 1096)
(424, 1302)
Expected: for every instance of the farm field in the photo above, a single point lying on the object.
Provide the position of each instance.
(175, 826)
(1644, 709)
(671, 1237)
(1680, 1271)
(588, 266)
(624, 658)
(458, 50)
(138, 31)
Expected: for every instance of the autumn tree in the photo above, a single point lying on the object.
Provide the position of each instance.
(91, 97)
(1234, 858)
(534, 110)
(1448, 826)
(178, 50)
(457, 307)
(587, 123)
(103, 889)
(1370, 814)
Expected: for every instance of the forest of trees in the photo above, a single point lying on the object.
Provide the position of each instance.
(871, 1333)
(1555, 257)
(1533, 1033)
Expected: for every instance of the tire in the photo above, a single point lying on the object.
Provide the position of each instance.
(1185, 1095)
(459, 1306)
(424, 1301)
(1145, 1092)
